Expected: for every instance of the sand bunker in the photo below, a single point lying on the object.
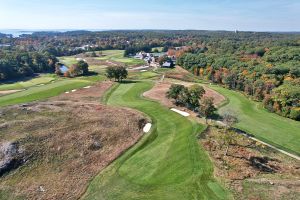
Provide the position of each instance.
(185, 114)
(147, 127)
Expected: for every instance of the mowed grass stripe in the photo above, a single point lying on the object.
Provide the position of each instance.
(254, 119)
(43, 79)
(168, 163)
(42, 92)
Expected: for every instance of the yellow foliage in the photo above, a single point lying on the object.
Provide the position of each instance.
(288, 78)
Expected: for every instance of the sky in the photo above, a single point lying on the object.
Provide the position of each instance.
(244, 15)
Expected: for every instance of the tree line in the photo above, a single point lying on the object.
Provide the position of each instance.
(21, 64)
(270, 75)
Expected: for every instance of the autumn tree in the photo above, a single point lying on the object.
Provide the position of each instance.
(207, 107)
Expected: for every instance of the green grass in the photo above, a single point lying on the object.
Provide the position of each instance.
(42, 79)
(118, 56)
(7, 195)
(142, 75)
(108, 55)
(46, 91)
(269, 127)
(167, 163)
(68, 60)
(160, 49)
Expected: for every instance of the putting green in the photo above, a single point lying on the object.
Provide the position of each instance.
(281, 132)
(168, 163)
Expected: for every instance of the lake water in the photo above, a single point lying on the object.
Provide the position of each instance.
(63, 69)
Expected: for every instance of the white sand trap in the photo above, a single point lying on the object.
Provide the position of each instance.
(147, 127)
(185, 114)
(74, 90)
(87, 87)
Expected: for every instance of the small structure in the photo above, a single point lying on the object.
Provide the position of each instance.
(167, 65)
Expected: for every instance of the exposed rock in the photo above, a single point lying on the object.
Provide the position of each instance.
(11, 156)
(95, 146)
(261, 163)
(41, 189)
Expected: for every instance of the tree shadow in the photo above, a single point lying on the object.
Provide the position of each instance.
(128, 81)
(15, 80)
(92, 74)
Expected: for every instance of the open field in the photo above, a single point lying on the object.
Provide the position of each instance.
(68, 60)
(160, 49)
(46, 85)
(46, 91)
(65, 142)
(107, 57)
(41, 79)
(118, 56)
(168, 163)
(269, 127)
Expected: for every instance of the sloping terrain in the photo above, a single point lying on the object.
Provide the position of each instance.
(62, 143)
(269, 127)
(252, 170)
(168, 163)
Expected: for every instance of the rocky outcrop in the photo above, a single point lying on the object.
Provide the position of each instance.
(11, 156)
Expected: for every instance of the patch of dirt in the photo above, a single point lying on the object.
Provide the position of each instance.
(158, 93)
(180, 74)
(218, 98)
(5, 92)
(67, 140)
(247, 163)
(92, 94)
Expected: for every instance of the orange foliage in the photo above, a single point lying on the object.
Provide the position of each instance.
(245, 72)
(201, 72)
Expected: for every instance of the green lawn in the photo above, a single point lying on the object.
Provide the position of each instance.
(269, 127)
(118, 56)
(160, 49)
(167, 163)
(142, 75)
(42, 79)
(46, 91)
(108, 55)
(68, 60)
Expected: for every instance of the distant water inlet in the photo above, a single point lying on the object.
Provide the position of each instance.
(63, 69)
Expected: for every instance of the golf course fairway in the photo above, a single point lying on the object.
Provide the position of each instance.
(279, 131)
(167, 163)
